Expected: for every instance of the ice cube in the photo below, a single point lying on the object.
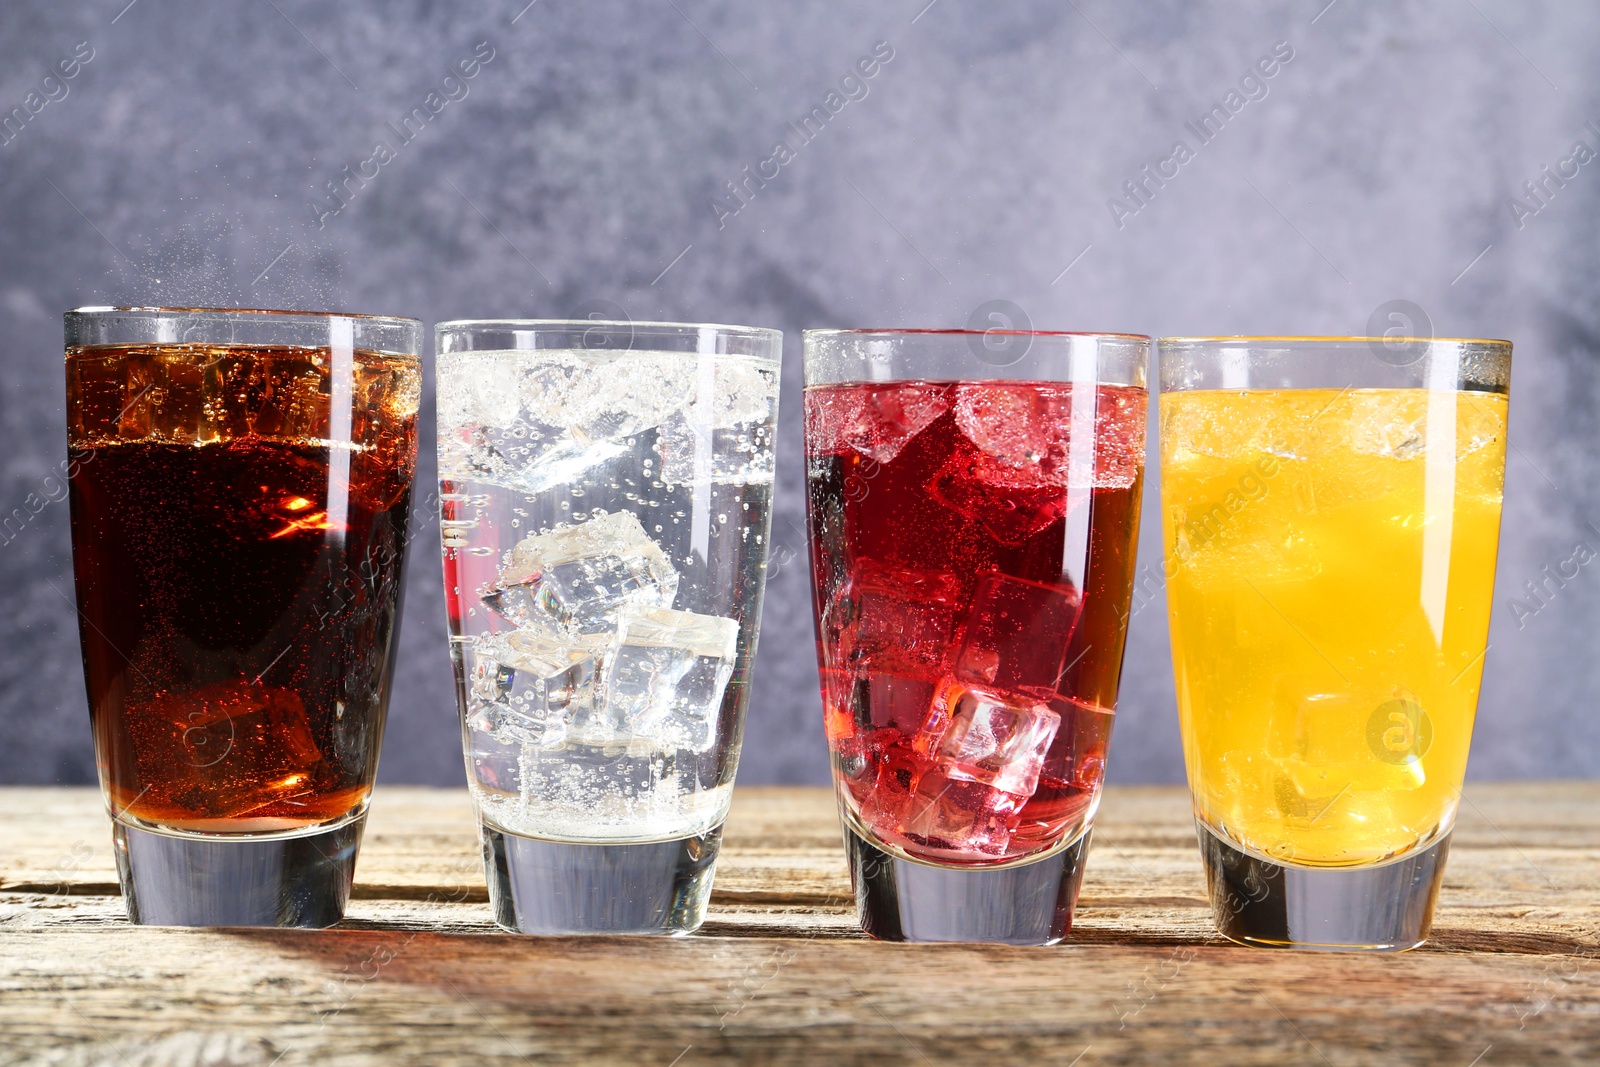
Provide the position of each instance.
(598, 726)
(1393, 423)
(533, 420)
(1013, 504)
(893, 619)
(1480, 422)
(1017, 634)
(516, 602)
(1329, 744)
(956, 788)
(1085, 733)
(695, 451)
(252, 745)
(1120, 419)
(956, 819)
(724, 434)
(879, 700)
(856, 757)
(668, 671)
(551, 382)
(721, 392)
(877, 421)
(913, 802)
(616, 397)
(978, 735)
(898, 767)
(581, 577)
(509, 727)
(527, 686)
(1233, 425)
(744, 391)
(477, 389)
(1023, 426)
(541, 464)
(1016, 461)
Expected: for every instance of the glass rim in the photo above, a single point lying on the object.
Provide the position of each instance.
(721, 327)
(92, 311)
(1247, 339)
(914, 331)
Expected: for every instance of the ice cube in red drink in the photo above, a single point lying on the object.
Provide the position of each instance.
(952, 819)
(882, 700)
(1012, 504)
(876, 424)
(959, 783)
(1020, 425)
(899, 768)
(897, 620)
(992, 739)
(1017, 633)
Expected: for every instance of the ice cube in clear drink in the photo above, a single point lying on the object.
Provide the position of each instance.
(527, 686)
(586, 407)
(693, 452)
(581, 577)
(619, 397)
(597, 726)
(550, 386)
(560, 459)
(473, 390)
(1016, 634)
(667, 674)
(721, 436)
(516, 601)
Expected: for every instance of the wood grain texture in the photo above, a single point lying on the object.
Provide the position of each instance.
(418, 974)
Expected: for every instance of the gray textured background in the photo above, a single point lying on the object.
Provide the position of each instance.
(1379, 166)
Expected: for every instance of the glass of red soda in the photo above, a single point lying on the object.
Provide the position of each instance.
(974, 509)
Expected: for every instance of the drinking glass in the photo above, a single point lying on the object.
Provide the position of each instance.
(606, 496)
(974, 507)
(1332, 510)
(240, 485)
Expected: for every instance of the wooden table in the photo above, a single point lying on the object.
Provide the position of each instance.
(418, 975)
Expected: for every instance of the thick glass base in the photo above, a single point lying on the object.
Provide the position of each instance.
(538, 886)
(1384, 908)
(282, 880)
(901, 899)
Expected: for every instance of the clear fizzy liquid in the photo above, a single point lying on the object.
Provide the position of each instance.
(605, 518)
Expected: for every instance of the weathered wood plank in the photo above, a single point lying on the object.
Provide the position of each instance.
(385, 996)
(418, 974)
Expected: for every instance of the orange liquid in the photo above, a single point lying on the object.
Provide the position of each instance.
(1331, 561)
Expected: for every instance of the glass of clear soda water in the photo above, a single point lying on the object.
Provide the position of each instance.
(605, 504)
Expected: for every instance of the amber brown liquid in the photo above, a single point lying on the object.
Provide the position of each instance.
(239, 528)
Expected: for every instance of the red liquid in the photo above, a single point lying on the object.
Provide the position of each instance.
(238, 578)
(973, 566)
